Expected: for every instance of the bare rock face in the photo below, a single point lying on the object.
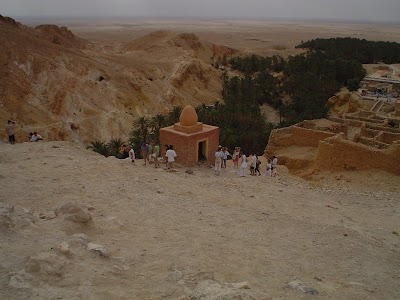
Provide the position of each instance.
(213, 290)
(8, 21)
(74, 212)
(60, 36)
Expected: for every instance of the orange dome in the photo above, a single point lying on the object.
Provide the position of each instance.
(188, 116)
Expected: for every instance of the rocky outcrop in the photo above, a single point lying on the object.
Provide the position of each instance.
(8, 21)
(74, 212)
(67, 88)
(60, 36)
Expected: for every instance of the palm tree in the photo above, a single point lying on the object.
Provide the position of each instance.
(142, 123)
(157, 122)
(173, 115)
(99, 147)
(114, 145)
(202, 112)
(228, 138)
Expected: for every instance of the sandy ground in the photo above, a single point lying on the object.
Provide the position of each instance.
(259, 37)
(169, 232)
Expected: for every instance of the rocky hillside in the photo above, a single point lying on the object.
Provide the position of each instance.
(68, 88)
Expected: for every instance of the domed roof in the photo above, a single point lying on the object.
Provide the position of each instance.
(188, 116)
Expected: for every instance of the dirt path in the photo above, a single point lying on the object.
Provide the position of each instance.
(167, 233)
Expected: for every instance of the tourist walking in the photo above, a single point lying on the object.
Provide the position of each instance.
(243, 165)
(235, 157)
(170, 154)
(165, 156)
(258, 163)
(269, 168)
(145, 152)
(253, 164)
(225, 157)
(10, 131)
(150, 152)
(274, 166)
(219, 155)
(156, 154)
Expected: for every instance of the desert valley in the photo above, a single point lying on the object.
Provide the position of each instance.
(77, 225)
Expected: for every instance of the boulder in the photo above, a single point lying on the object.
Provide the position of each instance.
(74, 212)
(80, 238)
(100, 249)
(64, 248)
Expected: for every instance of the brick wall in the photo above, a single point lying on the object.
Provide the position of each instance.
(186, 145)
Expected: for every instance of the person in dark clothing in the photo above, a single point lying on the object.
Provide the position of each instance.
(258, 163)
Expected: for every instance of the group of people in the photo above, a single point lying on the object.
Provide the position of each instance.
(33, 136)
(221, 156)
(151, 154)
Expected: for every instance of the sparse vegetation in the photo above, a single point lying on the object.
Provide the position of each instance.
(99, 147)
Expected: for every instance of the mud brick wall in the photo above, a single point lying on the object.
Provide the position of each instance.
(339, 154)
(295, 136)
(186, 145)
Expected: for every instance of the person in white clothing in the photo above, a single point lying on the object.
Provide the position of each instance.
(243, 166)
(36, 137)
(219, 155)
(253, 164)
(269, 168)
(170, 154)
(274, 165)
(132, 155)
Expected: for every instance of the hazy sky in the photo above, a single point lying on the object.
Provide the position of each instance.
(367, 10)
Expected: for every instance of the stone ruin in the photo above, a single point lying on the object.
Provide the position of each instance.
(361, 140)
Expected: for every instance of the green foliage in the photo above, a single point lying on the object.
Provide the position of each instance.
(363, 51)
(256, 63)
(136, 140)
(100, 147)
(353, 84)
(142, 124)
(156, 123)
(173, 115)
(113, 147)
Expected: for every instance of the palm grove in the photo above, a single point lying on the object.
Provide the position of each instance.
(297, 87)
